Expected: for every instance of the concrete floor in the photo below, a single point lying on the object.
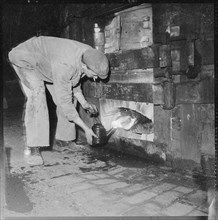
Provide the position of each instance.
(85, 181)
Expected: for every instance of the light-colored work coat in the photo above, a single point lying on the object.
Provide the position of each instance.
(56, 61)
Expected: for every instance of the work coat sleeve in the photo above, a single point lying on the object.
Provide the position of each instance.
(63, 90)
(79, 95)
(22, 59)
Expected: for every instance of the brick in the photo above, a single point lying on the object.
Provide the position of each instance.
(65, 180)
(166, 168)
(128, 174)
(149, 209)
(97, 203)
(166, 198)
(163, 187)
(101, 175)
(114, 186)
(178, 209)
(104, 181)
(114, 209)
(91, 193)
(198, 198)
(197, 213)
(152, 209)
(134, 188)
(140, 197)
(90, 177)
(119, 175)
(183, 189)
(204, 208)
(106, 209)
(117, 170)
(80, 187)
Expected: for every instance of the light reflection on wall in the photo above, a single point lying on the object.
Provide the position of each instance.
(112, 110)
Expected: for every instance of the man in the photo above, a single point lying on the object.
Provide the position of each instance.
(58, 64)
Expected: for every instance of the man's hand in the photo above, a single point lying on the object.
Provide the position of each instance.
(90, 108)
(88, 131)
(89, 134)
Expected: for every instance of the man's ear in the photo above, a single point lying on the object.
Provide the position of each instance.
(84, 66)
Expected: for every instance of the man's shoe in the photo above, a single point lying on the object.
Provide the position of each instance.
(32, 156)
(60, 145)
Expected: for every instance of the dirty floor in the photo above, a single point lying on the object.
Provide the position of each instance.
(86, 181)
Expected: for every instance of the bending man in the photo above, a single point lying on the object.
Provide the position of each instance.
(59, 64)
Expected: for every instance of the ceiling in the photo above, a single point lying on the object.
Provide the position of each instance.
(95, 10)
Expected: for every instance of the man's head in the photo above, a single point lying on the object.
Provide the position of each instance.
(97, 62)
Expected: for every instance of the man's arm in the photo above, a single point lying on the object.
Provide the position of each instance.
(79, 95)
(63, 92)
(86, 105)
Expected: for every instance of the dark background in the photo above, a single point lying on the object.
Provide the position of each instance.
(21, 21)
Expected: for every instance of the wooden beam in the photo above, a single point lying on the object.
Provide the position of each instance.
(134, 59)
(139, 92)
(129, 92)
(132, 76)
